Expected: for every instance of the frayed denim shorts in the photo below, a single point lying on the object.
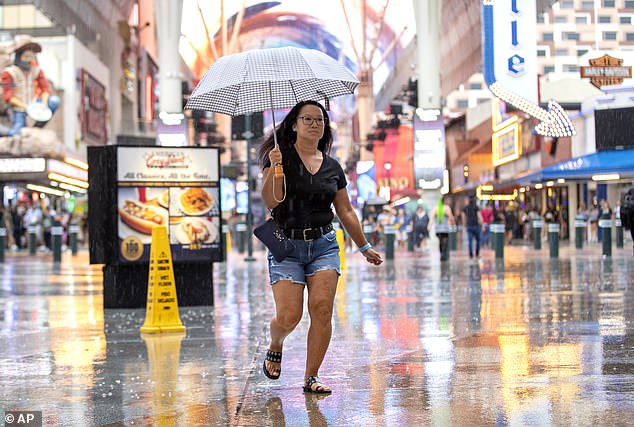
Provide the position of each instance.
(308, 258)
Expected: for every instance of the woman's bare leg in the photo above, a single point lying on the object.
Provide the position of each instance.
(322, 288)
(289, 306)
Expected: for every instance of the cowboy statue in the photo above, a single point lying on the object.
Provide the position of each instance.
(26, 90)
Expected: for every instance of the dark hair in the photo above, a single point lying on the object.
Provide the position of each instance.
(286, 136)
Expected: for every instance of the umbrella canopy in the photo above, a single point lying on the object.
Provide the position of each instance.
(261, 79)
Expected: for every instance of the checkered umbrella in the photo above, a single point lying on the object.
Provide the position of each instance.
(257, 80)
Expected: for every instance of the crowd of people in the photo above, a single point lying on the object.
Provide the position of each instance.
(17, 219)
(476, 218)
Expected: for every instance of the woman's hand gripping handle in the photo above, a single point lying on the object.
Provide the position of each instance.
(275, 156)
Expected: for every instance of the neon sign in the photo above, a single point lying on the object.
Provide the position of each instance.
(513, 22)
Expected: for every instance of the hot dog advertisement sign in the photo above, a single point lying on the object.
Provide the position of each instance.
(174, 187)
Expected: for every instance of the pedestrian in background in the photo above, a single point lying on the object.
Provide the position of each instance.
(627, 212)
(401, 222)
(442, 217)
(421, 224)
(593, 219)
(301, 201)
(472, 218)
(487, 217)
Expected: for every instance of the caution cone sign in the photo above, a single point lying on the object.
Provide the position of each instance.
(161, 314)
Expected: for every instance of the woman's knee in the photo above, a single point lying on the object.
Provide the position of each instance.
(288, 319)
(320, 310)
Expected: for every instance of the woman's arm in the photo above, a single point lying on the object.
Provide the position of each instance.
(350, 222)
(270, 181)
(274, 187)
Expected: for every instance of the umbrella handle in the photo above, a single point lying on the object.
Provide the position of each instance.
(279, 171)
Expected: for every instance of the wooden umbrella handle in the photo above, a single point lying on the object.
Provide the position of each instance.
(279, 171)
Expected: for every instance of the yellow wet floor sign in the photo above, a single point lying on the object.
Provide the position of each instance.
(161, 314)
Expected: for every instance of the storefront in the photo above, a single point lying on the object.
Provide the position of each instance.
(61, 185)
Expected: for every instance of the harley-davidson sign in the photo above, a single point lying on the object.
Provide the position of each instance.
(606, 71)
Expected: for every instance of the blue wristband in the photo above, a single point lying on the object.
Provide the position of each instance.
(365, 247)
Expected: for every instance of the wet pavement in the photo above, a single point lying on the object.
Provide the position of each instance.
(527, 341)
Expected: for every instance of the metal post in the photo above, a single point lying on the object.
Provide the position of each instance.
(73, 229)
(606, 229)
(56, 233)
(248, 134)
(410, 238)
(453, 239)
(240, 232)
(580, 225)
(619, 233)
(31, 229)
(538, 224)
(3, 237)
(390, 233)
(497, 239)
(553, 240)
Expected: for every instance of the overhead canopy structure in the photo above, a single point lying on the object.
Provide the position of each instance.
(604, 163)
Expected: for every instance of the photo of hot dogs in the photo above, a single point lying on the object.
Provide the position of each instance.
(141, 217)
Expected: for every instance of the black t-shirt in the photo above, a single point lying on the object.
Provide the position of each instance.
(471, 211)
(308, 197)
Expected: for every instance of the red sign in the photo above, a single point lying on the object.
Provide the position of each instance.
(394, 161)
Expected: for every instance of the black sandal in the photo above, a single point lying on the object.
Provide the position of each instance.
(320, 389)
(275, 357)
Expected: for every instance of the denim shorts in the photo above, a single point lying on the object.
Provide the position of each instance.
(308, 258)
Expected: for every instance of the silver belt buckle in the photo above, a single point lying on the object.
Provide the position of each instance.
(306, 239)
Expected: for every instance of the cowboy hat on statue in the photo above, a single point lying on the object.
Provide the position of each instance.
(26, 89)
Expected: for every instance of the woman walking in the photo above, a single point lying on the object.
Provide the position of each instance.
(301, 206)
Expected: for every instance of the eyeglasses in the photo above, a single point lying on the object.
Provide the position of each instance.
(308, 121)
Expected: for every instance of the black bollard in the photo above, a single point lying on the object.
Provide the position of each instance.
(553, 240)
(390, 233)
(410, 238)
(538, 224)
(56, 234)
(606, 229)
(241, 231)
(453, 237)
(3, 239)
(619, 233)
(31, 229)
(73, 229)
(497, 239)
(580, 225)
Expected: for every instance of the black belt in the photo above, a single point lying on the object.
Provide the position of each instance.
(307, 233)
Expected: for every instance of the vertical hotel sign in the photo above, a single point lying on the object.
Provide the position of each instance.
(429, 150)
(515, 46)
(509, 62)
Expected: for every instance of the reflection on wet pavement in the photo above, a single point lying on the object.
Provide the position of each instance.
(524, 341)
